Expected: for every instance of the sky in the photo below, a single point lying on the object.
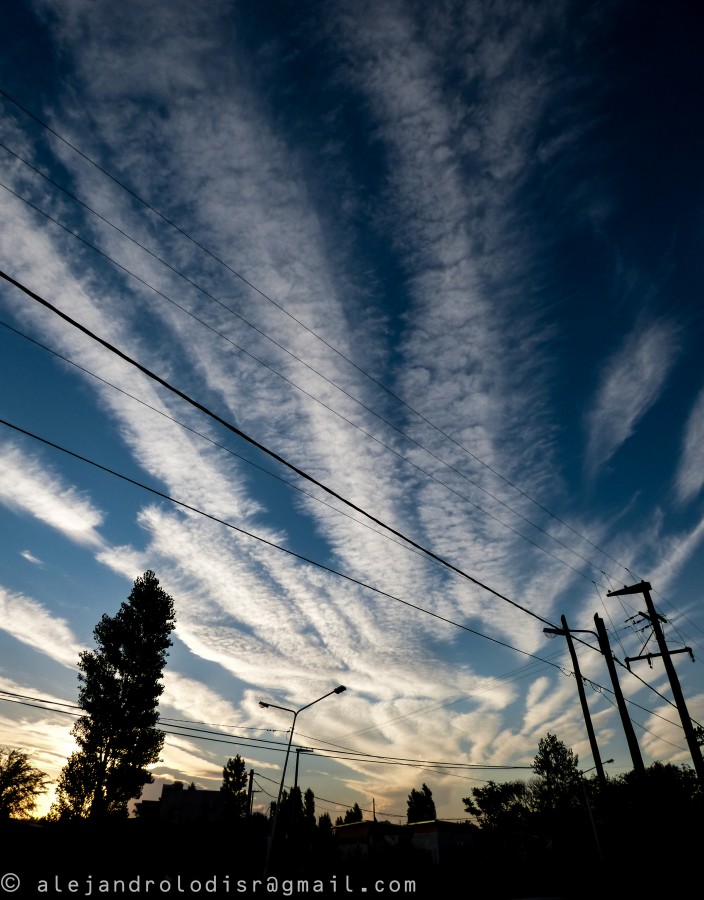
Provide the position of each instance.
(418, 293)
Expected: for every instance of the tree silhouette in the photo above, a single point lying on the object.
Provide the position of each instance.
(120, 689)
(309, 808)
(559, 778)
(353, 815)
(20, 784)
(421, 806)
(234, 786)
(500, 805)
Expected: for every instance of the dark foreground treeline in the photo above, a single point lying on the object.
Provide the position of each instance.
(622, 842)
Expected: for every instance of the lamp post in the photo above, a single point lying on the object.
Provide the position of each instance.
(338, 690)
(567, 633)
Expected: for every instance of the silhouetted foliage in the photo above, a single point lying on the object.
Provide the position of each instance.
(292, 808)
(354, 814)
(500, 805)
(121, 685)
(309, 808)
(558, 783)
(234, 786)
(20, 784)
(325, 823)
(421, 806)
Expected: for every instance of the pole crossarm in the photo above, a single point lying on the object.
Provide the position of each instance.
(655, 619)
(651, 656)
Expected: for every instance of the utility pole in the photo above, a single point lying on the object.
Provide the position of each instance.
(250, 793)
(605, 648)
(299, 750)
(565, 632)
(655, 619)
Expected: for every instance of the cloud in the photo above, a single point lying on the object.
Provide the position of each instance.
(690, 473)
(631, 381)
(30, 622)
(30, 557)
(27, 485)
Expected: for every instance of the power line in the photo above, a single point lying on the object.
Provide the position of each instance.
(267, 542)
(213, 442)
(322, 403)
(309, 330)
(204, 734)
(278, 458)
(240, 433)
(317, 336)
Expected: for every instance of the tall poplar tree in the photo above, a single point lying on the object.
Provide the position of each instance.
(234, 786)
(121, 684)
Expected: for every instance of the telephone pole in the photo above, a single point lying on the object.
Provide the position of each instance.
(565, 632)
(250, 793)
(605, 648)
(655, 619)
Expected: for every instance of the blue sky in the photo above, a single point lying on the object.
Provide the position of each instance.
(443, 259)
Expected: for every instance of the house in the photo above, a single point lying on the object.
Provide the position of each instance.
(438, 841)
(179, 804)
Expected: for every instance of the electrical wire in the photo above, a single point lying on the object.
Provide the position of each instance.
(309, 330)
(322, 403)
(276, 456)
(267, 542)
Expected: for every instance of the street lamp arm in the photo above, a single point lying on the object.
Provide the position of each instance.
(338, 690)
(562, 632)
(274, 706)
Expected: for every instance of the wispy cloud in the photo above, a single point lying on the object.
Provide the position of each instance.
(632, 380)
(29, 486)
(30, 622)
(690, 473)
(30, 557)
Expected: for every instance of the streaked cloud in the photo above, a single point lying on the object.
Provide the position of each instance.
(29, 486)
(30, 557)
(631, 381)
(32, 623)
(690, 473)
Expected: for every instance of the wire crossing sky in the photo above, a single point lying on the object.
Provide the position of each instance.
(443, 263)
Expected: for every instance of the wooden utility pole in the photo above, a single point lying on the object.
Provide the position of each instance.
(654, 618)
(250, 793)
(585, 708)
(605, 648)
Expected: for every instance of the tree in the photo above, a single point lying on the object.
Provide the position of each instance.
(234, 785)
(309, 808)
(353, 815)
(120, 688)
(699, 734)
(559, 778)
(20, 784)
(421, 806)
(500, 805)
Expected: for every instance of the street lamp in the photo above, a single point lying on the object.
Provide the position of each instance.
(606, 762)
(567, 633)
(338, 690)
